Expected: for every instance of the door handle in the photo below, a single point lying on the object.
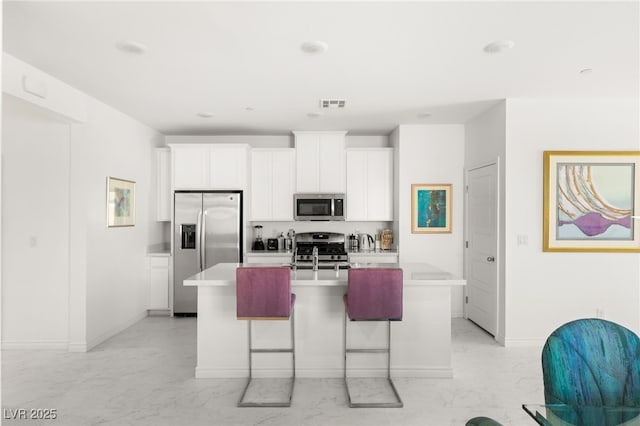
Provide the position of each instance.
(491, 259)
(199, 236)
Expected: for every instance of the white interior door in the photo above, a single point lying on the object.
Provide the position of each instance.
(481, 247)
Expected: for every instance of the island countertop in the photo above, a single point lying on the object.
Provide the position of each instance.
(415, 274)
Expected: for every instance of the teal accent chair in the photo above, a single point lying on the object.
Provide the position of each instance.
(482, 421)
(592, 362)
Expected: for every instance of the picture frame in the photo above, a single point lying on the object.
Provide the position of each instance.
(431, 208)
(121, 202)
(591, 201)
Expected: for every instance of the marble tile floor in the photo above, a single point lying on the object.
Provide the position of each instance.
(145, 376)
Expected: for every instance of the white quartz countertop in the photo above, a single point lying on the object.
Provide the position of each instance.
(415, 274)
(373, 252)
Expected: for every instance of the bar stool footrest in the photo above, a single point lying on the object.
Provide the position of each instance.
(287, 403)
(396, 404)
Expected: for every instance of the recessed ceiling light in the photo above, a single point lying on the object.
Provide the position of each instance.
(129, 46)
(314, 114)
(314, 47)
(424, 115)
(499, 46)
(205, 114)
(586, 71)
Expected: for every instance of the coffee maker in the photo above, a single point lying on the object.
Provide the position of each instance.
(258, 244)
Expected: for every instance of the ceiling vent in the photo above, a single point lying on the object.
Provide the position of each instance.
(332, 103)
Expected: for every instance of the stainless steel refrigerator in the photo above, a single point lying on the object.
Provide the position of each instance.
(207, 230)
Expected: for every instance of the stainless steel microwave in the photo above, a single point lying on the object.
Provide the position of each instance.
(318, 206)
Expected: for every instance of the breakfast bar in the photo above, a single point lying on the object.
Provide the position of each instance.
(421, 342)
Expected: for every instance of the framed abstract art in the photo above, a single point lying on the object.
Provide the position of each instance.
(430, 208)
(591, 201)
(121, 202)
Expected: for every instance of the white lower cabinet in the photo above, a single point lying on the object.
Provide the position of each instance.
(158, 281)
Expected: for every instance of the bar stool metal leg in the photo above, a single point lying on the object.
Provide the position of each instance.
(292, 351)
(396, 404)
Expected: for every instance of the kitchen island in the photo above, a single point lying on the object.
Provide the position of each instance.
(421, 342)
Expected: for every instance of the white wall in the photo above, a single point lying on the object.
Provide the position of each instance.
(545, 290)
(35, 219)
(485, 142)
(112, 144)
(432, 154)
(73, 282)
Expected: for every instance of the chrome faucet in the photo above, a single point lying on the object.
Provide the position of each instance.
(315, 258)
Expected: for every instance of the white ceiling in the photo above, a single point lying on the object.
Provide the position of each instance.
(391, 61)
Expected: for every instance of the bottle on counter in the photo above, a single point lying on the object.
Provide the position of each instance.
(281, 241)
(377, 242)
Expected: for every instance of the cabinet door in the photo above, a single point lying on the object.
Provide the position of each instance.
(379, 185)
(261, 185)
(283, 172)
(356, 185)
(307, 162)
(158, 275)
(227, 167)
(331, 172)
(190, 166)
(163, 185)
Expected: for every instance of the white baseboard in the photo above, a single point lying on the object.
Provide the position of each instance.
(64, 345)
(16, 345)
(115, 330)
(77, 347)
(428, 373)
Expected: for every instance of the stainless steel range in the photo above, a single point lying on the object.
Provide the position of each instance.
(320, 250)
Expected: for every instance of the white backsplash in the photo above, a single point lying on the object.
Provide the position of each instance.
(273, 229)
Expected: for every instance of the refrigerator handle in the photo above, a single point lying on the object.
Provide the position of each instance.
(200, 233)
(203, 245)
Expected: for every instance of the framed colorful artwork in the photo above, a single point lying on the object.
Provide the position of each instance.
(430, 208)
(121, 202)
(591, 201)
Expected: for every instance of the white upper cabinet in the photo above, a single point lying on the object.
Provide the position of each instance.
(320, 161)
(209, 166)
(369, 184)
(163, 184)
(228, 167)
(272, 184)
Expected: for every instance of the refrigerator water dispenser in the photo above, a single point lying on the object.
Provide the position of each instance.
(188, 232)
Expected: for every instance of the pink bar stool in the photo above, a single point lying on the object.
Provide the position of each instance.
(373, 294)
(264, 293)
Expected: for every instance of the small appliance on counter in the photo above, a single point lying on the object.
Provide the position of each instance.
(258, 244)
(366, 242)
(272, 244)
